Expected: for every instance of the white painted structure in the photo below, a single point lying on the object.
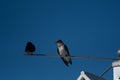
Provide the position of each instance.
(89, 76)
(116, 70)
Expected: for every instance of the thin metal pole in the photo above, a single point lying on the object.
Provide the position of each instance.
(110, 67)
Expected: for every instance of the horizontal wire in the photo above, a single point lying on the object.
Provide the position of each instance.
(81, 57)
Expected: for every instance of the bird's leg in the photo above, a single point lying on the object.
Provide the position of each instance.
(29, 53)
(67, 58)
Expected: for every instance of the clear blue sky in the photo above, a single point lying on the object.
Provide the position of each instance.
(88, 27)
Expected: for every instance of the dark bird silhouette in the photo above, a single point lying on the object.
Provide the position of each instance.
(30, 48)
(63, 52)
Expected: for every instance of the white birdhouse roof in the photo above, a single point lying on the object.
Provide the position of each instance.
(89, 76)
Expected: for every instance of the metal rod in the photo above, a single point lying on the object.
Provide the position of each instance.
(110, 67)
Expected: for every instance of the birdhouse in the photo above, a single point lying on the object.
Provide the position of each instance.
(116, 70)
(89, 76)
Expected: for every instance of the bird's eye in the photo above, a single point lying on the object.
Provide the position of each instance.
(119, 78)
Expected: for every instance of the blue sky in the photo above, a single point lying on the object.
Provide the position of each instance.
(88, 27)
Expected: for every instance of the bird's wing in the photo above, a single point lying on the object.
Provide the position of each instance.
(33, 47)
(65, 62)
(70, 60)
(30, 47)
(66, 48)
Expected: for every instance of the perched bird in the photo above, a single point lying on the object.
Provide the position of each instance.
(63, 52)
(118, 52)
(30, 48)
